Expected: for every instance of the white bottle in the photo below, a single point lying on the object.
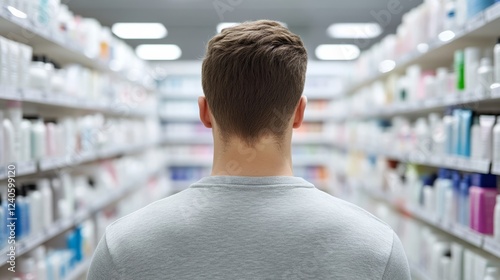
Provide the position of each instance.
(496, 51)
(429, 201)
(69, 192)
(492, 273)
(485, 76)
(476, 148)
(48, 215)
(15, 115)
(472, 57)
(38, 139)
(27, 269)
(25, 149)
(39, 254)
(36, 212)
(496, 220)
(9, 142)
(496, 141)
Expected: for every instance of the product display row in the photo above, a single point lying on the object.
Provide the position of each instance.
(459, 133)
(27, 138)
(71, 38)
(439, 20)
(472, 79)
(56, 211)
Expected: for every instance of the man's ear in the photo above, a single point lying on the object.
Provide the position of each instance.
(204, 112)
(299, 112)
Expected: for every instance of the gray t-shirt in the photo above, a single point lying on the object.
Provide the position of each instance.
(250, 228)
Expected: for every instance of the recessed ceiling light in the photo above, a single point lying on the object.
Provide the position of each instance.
(354, 30)
(337, 52)
(158, 52)
(17, 13)
(223, 25)
(139, 30)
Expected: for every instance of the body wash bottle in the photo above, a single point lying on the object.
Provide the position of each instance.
(482, 202)
(496, 52)
(496, 142)
(486, 122)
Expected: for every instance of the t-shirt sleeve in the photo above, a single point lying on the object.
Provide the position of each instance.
(397, 266)
(102, 266)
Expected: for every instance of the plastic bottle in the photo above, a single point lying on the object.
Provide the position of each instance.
(492, 273)
(497, 219)
(496, 141)
(27, 269)
(485, 75)
(496, 54)
(47, 201)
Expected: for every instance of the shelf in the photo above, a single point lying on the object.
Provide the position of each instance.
(456, 163)
(192, 139)
(484, 25)
(317, 116)
(33, 167)
(311, 138)
(59, 100)
(428, 106)
(310, 160)
(55, 46)
(27, 244)
(180, 118)
(79, 270)
(181, 95)
(191, 160)
(419, 273)
(319, 94)
(465, 234)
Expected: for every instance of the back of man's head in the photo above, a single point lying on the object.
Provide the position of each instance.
(253, 76)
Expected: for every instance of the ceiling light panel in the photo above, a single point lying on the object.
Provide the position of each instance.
(354, 30)
(139, 30)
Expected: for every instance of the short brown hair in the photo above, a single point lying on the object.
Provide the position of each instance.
(253, 75)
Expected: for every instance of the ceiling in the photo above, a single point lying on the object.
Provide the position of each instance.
(191, 23)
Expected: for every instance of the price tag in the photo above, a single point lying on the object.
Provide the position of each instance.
(432, 103)
(450, 99)
(495, 92)
(9, 93)
(51, 163)
(493, 12)
(496, 168)
(24, 168)
(468, 235)
(476, 22)
(492, 246)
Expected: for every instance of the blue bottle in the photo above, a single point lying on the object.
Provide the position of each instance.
(463, 200)
(456, 179)
(476, 6)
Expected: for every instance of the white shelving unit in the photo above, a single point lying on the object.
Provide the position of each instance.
(61, 226)
(65, 51)
(54, 45)
(483, 28)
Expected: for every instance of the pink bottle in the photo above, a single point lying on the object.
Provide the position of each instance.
(483, 194)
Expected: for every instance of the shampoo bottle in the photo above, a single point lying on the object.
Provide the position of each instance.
(482, 202)
(485, 75)
(496, 51)
(496, 141)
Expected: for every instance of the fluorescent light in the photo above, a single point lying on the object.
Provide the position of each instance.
(446, 36)
(223, 25)
(354, 30)
(130, 30)
(158, 52)
(337, 52)
(17, 13)
(386, 66)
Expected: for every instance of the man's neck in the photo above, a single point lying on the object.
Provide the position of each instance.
(266, 158)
